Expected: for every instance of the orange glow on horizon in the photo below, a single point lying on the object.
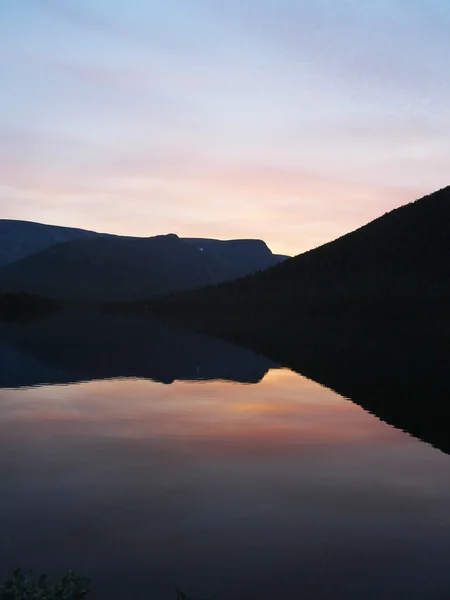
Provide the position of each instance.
(292, 211)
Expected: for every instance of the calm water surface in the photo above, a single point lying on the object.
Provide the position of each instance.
(269, 490)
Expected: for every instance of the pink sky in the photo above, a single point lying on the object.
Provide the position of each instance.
(293, 122)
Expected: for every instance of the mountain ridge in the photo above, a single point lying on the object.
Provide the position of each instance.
(81, 265)
(400, 258)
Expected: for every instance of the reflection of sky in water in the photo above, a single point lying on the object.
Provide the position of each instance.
(224, 488)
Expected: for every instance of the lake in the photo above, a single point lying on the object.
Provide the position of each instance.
(189, 462)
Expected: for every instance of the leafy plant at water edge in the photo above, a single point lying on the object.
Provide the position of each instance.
(70, 587)
(182, 596)
(21, 587)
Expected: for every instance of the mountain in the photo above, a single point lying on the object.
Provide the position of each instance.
(366, 315)
(399, 263)
(106, 267)
(102, 267)
(240, 257)
(19, 239)
(25, 307)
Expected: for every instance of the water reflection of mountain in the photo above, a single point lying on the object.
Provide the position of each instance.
(76, 346)
(397, 370)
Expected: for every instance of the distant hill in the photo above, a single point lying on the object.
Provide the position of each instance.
(24, 307)
(399, 262)
(240, 257)
(101, 267)
(19, 239)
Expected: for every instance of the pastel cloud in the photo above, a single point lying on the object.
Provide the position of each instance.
(290, 121)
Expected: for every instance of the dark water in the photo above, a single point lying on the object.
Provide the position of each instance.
(239, 480)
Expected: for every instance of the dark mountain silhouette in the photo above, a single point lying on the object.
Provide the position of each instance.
(366, 315)
(24, 307)
(101, 267)
(19, 239)
(398, 263)
(240, 257)
(104, 267)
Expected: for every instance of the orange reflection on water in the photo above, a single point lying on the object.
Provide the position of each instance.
(284, 409)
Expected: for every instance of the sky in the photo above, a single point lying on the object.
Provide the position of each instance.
(292, 121)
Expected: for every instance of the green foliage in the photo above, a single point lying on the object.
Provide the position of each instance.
(182, 596)
(70, 587)
(21, 587)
